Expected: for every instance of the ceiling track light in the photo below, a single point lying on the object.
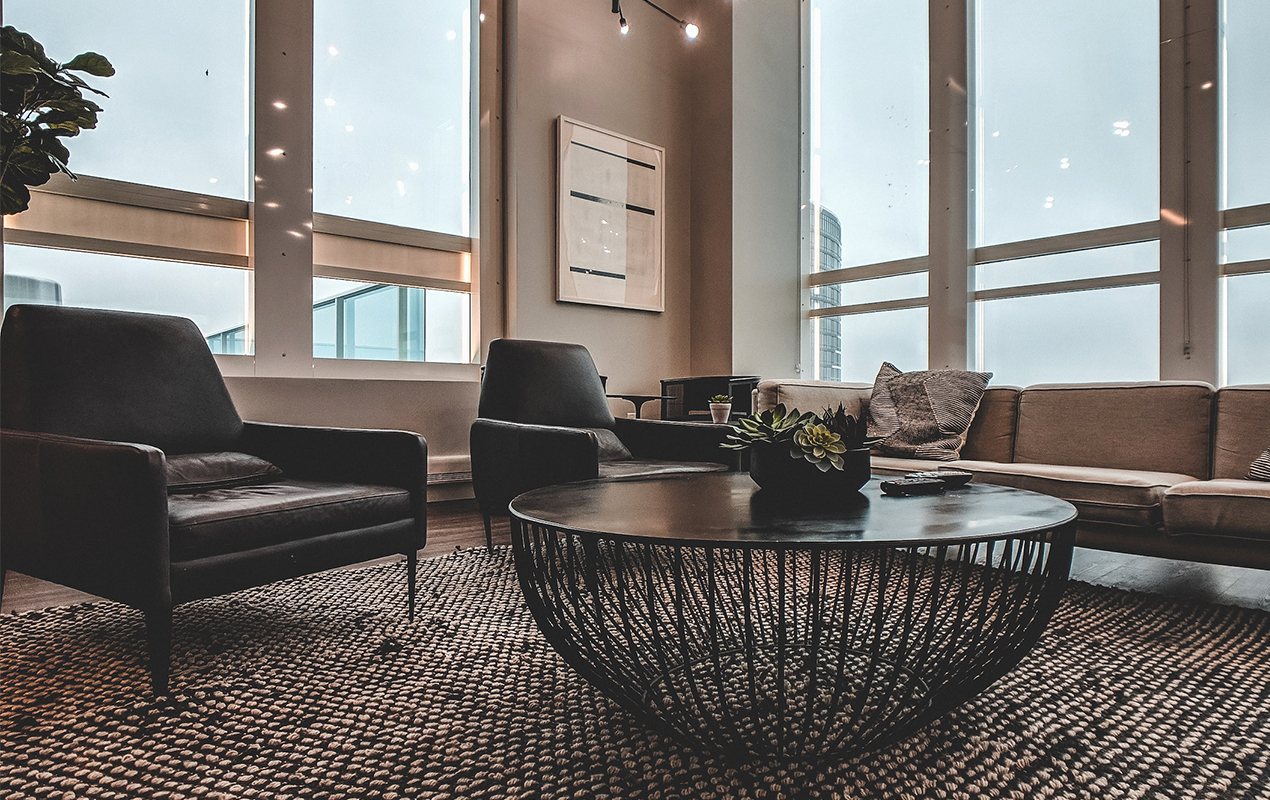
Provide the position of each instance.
(690, 29)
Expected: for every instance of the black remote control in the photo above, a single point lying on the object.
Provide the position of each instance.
(906, 487)
(952, 478)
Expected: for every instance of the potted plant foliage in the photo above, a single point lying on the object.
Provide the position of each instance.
(43, 103)
(721, 407)
(808, 455)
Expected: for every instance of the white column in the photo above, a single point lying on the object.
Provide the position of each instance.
(1188, 190)
(948, 314)
(283, 207)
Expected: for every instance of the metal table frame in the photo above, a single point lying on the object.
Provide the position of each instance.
(796, 650)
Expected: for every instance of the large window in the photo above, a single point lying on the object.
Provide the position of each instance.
(868, 148)
(388, 323)
(1097, 206)
(217, 299)
(178, 114)
(392, 106)
(176, 118)
(1244, 131)
(1065, 125)
(162, 219)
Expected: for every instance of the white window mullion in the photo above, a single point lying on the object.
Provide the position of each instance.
(283, 207)
(948, 329)
(1188, 190)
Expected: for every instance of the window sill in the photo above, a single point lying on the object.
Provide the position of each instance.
(357, 369)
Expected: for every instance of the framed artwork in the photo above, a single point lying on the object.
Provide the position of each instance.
(610, 231)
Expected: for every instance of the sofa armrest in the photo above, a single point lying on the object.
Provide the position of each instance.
(509, 458)
(677, 441)
(86, 513)
(347, 455)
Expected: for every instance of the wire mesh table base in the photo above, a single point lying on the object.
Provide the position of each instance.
(759, 650)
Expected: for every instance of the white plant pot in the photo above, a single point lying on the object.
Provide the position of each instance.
(720, 412)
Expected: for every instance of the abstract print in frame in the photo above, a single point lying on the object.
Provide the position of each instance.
(609, 227)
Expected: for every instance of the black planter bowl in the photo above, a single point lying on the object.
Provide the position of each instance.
(779, 475)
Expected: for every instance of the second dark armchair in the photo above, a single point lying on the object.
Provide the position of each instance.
(544, 420)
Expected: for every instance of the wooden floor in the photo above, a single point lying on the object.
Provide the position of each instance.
(456, 525)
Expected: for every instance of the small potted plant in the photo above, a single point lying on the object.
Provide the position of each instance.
(801, 455)
(721, 407)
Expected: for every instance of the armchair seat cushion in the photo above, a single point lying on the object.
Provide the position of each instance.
(1224, 507)
(239, 518)
(642, 468)
(1100, 494)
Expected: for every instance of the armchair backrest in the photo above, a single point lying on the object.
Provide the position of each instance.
(543, 383)
(116, 376)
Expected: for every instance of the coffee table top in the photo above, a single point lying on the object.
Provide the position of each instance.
(726, 507)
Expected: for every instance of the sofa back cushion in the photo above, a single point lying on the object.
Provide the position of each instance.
(814, 396)
(1243, 429)
(1161, 426)
(991, 434)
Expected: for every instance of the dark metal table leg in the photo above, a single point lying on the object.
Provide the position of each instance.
(764, 651)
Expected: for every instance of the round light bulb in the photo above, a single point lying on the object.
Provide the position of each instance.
(691, 30)
(625, 28)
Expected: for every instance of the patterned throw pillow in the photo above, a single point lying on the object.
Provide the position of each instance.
(1260, 469)
(924, 414)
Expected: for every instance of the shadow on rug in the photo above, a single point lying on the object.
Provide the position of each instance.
(319, 687)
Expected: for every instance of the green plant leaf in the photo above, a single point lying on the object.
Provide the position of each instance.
(14, 39)
(14, 197)
(14, 63)
(92, 63)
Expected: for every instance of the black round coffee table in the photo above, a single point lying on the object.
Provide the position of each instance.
(758, 629)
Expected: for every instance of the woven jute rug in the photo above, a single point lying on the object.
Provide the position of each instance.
(319, 687)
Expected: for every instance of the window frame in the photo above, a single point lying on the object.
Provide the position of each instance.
(1187, 229)
(241, 233)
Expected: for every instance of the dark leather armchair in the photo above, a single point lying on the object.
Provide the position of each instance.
(544, 420)
(127, 472)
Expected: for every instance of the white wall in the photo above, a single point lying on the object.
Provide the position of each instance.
(766, 275)
(572, 60)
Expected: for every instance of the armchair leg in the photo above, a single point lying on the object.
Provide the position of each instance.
(489, 533)
(159, 642)
(412, 561)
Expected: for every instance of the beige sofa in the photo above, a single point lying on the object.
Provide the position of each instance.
(1154, 468)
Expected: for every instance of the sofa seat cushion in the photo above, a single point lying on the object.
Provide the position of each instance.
(643, 468)
(1223, 507)
(1121, 496)
(240, 518)
(891, 466)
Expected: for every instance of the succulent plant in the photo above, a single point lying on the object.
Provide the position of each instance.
(721, 398)
(775, 426)
(853, 431)
(820, 446)
(820, 439)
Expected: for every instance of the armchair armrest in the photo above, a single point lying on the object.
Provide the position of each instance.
(677, 441)
(347, 455)
(350, 455)
(88, 514)
(509, 458)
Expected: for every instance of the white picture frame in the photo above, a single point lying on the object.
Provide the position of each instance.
(610, 219)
